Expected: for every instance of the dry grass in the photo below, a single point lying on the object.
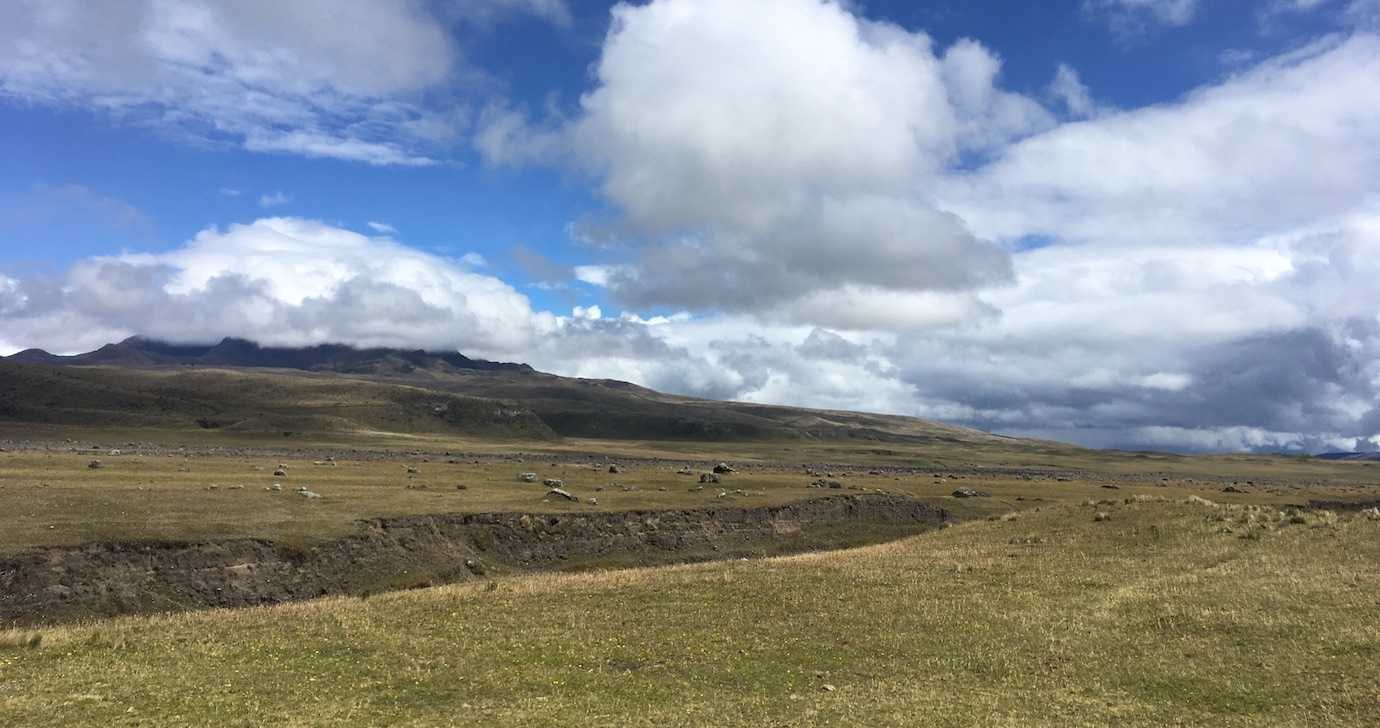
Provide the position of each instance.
(1155, 617)
(56, 499)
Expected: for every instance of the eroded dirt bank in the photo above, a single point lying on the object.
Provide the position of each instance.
(58, 584)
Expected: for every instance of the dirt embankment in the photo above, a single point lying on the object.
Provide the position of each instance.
(104, 579)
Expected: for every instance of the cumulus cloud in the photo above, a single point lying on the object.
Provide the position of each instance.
(1286, 143)
(281, 281)
(744, 190)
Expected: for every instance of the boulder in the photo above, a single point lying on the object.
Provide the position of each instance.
(723, 468)
(709, 477)
(615, 469)
(562, 493)
(971, 493)
(527, 477)
(553, 483)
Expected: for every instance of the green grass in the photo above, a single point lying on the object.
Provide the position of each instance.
(1158, 616)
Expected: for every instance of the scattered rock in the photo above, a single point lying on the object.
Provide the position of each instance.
(724, 468)
(475, 566)
(685, 470)
(1109, 486)
(709, 478)
(1233, 489)
(280, 473)
(971, 493)
(553, 483)
(95, 465)
(826, 687)
(1102, 516)
(593, 501)
(562, 493)
(615, 469)
(461, 486)
(826, 483)
(275, 487)
(307, 493)
(527, 477)
(411, 470)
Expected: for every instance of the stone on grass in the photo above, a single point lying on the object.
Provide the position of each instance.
(709, 477)
(971, 493)
(562, 493)
(527, 477)
(553, 483)
(724, 468)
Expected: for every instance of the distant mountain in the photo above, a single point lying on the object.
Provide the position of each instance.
(240, 386)
(138, 351)
(1350, 456)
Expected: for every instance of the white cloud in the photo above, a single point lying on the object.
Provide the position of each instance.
(1068, 89)
(594, 275)
(1289, 142)
(1130, 17)
(274, 199)
(283, 281)
(382, 228)
(732, 176)
(489, 12)
(360, 81)
(230, 192)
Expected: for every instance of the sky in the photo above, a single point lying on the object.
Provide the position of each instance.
(1145, 224)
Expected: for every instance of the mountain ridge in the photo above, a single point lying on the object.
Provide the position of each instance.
(238, 352)
(239, 385)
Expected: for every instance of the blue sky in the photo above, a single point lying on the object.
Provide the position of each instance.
(1084, 220)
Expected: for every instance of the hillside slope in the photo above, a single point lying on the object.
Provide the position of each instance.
(238, 384)
(248, 401)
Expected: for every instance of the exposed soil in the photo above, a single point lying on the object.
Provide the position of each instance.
(55, 584)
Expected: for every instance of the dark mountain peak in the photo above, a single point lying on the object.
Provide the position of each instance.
(140, 351)
(33, 356)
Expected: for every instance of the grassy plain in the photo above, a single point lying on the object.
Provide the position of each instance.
(196, 485)
(1168, 612)
(1165, 609)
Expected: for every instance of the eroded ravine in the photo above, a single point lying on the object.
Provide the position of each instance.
(57, 584)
